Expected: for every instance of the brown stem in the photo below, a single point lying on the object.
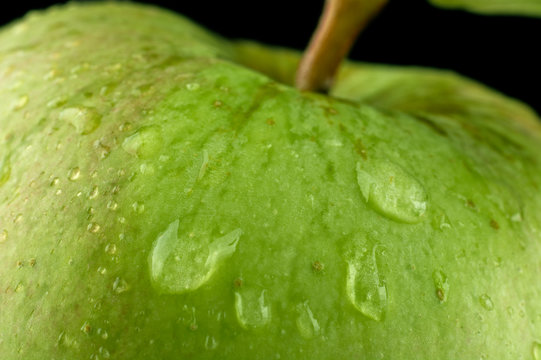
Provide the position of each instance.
(339, 26)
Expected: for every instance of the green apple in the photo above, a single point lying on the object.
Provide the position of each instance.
(167, 194)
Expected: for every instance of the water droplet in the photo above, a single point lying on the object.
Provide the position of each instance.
(210, 343)
(103, 333)
(486, 302)
(138, 207)
(55, 182)
(85, 120)
(110, 249)
(204, 165)
(21, 102)
(365, 289)
(101, 270)
(307, 324)
(112, 205)
(86, 328)
(441, 284)
(74, 174)
(179, 265)
(391, 191)
(93, 228)
(94, 193)
(3, 236)
(192, 86)
(536, 350)
(252, 308)
(144, 143)
(120, 285)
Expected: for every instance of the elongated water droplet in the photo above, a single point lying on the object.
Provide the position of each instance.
(391, 191)
(365, 289)
(486, 302)
(74, 174)
(5, 171)
(85, 120)
(536, 350)
(307, 324)
(252, 308)
(21, 102)
(441, 284)
(3, 236)
(182, 264)
(144, 143)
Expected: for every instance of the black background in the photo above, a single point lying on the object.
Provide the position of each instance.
(500, 51)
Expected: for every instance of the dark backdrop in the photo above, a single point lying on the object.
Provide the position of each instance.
(499, 51)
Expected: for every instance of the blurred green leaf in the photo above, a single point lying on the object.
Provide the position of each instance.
(494, 7)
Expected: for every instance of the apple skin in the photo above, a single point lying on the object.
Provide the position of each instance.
(165, 194)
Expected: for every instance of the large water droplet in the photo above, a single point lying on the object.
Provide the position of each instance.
(391, 191)
(252, 308)
(85, 120)
(365, 289)
(307, 324)
(144, 143)
(486, 302)
(441, 284)
(536, 350)
(182, 264)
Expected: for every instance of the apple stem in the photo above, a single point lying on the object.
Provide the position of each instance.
(339, 26)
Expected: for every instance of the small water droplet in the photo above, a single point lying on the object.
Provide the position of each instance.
(110, 249)
(3, 236)
(112, 205)
(93, 228)
(441, 284)
(74, 173)
(86, 328)
(365, 289)
(391, 191)
(536, 350)
(144, 143)
(179, 265)
(120, 285)
(138, 207)
(252, 308)
(210, 343)
(101, 270)
(55, 182)
(94, 193)
(104, 352)
(85, 120)
(486, 302)
(307, 324)
(21, 102)
(103, 333)
(192, 86)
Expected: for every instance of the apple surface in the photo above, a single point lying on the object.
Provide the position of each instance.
(167, 194)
